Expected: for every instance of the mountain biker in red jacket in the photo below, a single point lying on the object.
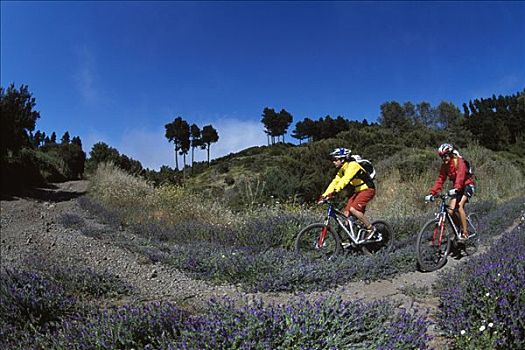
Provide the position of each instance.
(455, 168)
(351, 173)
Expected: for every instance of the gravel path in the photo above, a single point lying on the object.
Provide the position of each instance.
(30, 226)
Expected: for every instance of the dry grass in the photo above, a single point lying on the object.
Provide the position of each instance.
(140, 201)
(401, 195)
(117, 188)
(397, 197)
(173, 204)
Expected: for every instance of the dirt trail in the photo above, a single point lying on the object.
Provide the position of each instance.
(30, 227)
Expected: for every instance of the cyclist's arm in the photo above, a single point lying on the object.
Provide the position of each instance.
(438, 185)
(333, 185)
(343, 178)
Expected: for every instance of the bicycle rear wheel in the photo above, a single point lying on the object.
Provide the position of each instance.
(472, 243)
(433, 246)
(307, 242)
(386, 243)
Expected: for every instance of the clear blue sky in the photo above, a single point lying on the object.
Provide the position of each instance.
(117, 72)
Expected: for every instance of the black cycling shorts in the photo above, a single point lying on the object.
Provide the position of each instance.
(468, 191)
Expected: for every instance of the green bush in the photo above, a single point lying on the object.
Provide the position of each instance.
(20, 171)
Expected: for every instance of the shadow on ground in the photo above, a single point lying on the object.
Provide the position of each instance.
(47, 193)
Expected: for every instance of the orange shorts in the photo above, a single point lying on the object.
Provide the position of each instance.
(359, 200)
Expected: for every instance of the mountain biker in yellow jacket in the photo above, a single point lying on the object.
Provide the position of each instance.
(353, 174)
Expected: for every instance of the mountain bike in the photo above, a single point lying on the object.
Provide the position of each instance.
(338, 233)
(438, 235)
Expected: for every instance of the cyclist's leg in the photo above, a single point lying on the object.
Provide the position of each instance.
(349, 204)
(358, 205)
(466, 194)
(462, 215)
(452, 205)
(360, 216)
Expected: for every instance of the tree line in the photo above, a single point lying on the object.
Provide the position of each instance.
(324, 128)
(18, 119)
(275, 124)
(497, 123)
(186, 137)
(28, 157)
(103, 153)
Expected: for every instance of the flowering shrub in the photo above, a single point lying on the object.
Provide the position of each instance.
(497, 218)
(482, 302)
(79, 280)
(252, 254)
(142, 327)
(325, 324)
(29, 304)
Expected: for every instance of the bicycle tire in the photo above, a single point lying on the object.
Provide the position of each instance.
(472, 244)
(387, 242)
(432, 255)
(306, 240)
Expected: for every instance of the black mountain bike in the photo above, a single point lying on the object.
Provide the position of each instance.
(338, 233)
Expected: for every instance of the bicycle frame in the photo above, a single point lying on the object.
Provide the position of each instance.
(340, 218)
(444, 216)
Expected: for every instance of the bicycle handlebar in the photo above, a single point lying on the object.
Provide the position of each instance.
(325, 201)
(334, 209)
(443, 196)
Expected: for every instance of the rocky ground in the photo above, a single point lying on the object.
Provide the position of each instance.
(30, 226)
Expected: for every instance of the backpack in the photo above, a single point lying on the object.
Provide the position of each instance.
(365, 164)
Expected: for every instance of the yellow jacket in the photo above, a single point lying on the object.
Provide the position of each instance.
(350, 173)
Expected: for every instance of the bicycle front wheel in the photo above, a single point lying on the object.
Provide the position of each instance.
(307, 242)
(433, 246)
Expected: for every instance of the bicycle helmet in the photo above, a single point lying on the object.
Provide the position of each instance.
(340, 153)
(445, 148)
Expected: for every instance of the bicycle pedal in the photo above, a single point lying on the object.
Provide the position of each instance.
(346, 245)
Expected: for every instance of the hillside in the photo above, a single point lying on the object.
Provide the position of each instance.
(299, 173)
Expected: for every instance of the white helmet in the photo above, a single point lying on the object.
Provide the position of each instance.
(341, 153)
(445, 148)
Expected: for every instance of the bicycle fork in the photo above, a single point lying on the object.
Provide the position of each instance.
(322, 235)
(440, 227)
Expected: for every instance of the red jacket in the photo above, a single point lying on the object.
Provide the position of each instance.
(458, 175)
